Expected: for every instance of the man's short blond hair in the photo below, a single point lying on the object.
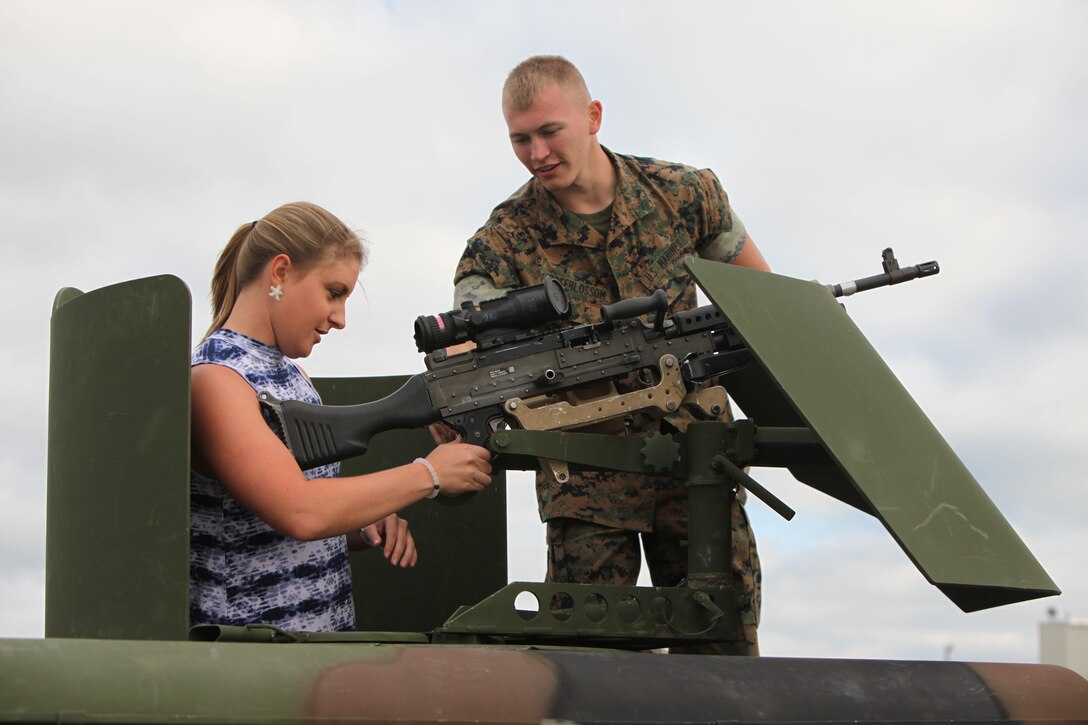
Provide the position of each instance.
(533, 76)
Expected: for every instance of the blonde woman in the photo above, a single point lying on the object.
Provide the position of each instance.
(269, 541)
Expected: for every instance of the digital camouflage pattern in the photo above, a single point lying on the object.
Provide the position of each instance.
(662, 214)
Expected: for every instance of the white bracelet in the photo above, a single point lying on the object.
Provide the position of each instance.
(434, 475)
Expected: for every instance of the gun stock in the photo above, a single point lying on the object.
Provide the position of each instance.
(321, 434)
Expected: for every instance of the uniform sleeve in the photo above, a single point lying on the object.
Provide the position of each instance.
(725, 233)
(476, 288)
(488, 255)
(726, 246)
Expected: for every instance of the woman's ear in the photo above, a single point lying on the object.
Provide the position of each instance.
(278, 268)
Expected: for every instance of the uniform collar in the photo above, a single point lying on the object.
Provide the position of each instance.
(631, 203)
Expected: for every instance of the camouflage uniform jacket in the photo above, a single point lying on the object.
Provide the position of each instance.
(662, 213)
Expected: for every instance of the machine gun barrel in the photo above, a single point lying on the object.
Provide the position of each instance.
(893, 274)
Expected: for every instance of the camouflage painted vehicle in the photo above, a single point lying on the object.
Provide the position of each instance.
(451, 641)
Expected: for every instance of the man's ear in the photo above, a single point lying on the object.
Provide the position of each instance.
(596, 111)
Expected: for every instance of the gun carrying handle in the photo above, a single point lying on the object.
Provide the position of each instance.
(626, 309)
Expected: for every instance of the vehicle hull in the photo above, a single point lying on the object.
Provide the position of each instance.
(56, 680)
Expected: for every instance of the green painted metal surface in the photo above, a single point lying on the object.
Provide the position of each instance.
(624, 617)
(64, 680)
(116, 681)
(118, 468)
(817, 369)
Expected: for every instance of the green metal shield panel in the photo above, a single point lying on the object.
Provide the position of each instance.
(117, 533)
(815, 368)
(461, 541)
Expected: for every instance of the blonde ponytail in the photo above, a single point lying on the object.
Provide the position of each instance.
(303, 231)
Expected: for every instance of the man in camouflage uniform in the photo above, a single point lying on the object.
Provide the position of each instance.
(609, 227)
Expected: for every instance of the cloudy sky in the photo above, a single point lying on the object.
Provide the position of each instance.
(136, 136)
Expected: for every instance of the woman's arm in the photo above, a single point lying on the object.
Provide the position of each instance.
(233, 444)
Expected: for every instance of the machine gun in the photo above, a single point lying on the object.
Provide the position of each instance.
(519, 376)
(828, 409)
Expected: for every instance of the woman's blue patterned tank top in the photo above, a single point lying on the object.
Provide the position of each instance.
(241, 570)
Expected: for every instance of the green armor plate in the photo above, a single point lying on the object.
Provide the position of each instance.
(815, 368)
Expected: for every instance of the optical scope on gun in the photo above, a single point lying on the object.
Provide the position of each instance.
(520, 310)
